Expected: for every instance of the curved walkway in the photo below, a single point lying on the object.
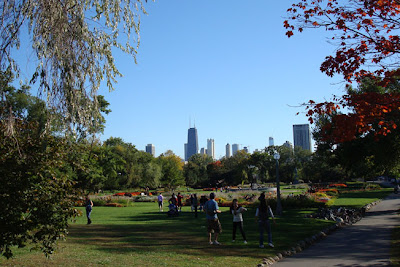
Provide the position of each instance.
(366, 243)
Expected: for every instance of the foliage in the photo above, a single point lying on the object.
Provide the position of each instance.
(36, 197)
(171, 169)
(368, 44)
(366, 34)
(365, 149)
(195, 171)
(73, 42)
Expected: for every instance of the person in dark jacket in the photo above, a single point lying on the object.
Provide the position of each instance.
(263, 213)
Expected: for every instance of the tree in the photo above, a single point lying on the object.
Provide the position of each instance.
(195, 171)
(363, 156)
(171, 169)
(36, 196)
(368, 47)
(73, 42)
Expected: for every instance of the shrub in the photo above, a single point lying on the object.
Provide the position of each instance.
(146, 199)
(99, 202)
(297, 202)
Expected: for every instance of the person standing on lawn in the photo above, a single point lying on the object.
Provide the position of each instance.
(203, 201)
(194, 204)
(89, 206)
(180, 197)
(160, 201)
(263, 213)
(213, 225)
(173, 200)
(237, 211)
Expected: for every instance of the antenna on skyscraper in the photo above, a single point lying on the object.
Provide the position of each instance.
(194, 125)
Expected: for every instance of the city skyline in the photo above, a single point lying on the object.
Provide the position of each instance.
(301, 137)
(239, 90)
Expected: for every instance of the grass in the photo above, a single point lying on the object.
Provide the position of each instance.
(395, 249)
(140, 235)
(358, 199)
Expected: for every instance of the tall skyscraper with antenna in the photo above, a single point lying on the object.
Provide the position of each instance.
(192, 143)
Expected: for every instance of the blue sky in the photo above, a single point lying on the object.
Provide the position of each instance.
(226, 65)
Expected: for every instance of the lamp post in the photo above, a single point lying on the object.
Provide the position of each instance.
(278, 189)
(252, 168)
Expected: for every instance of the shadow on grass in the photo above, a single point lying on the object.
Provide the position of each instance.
(154, 231)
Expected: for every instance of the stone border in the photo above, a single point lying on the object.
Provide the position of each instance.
(303, 244)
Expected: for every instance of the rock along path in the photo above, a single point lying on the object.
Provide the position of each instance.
(366, 243)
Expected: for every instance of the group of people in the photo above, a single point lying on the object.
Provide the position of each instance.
(263, 215)
(210, 207)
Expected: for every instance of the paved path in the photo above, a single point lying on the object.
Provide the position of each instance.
(366, 243)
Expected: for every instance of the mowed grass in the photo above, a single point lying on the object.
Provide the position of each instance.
(395, 248)
(358, 199)
(141, 235)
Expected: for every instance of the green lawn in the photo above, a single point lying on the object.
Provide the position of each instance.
(395, 250)
(140, 235)
(359, 199)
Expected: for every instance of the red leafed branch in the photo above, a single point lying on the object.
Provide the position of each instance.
(368, 113)
(365, 32)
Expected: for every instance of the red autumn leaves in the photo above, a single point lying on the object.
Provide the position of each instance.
(365, 34)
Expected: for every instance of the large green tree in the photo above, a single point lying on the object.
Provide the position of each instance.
(36, 194)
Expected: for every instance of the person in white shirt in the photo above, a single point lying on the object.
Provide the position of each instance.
(237, 220)
(160, 201)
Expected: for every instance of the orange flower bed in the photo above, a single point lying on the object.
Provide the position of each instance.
(209, 189)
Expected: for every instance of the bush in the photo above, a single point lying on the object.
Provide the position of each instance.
(146, 199)
(297, 202)
(99, 202)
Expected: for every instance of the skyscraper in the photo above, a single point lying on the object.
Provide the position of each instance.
(228, 150)
(271, 141)
(151, 149)
(186, 157)
(301, 136)
(235, 148)
(203, 151)
(192, 143)
(210, 148)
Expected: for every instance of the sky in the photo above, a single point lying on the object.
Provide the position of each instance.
(225, 67)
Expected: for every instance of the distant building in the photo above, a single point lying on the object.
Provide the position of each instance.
(245, 149)
(235, 149)
(210, 148)
(192, 143)
(151, 149)
(302, 136)
(288, 145)
(186, 158)
(271, 141)
(203, 151)
(228, 150)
